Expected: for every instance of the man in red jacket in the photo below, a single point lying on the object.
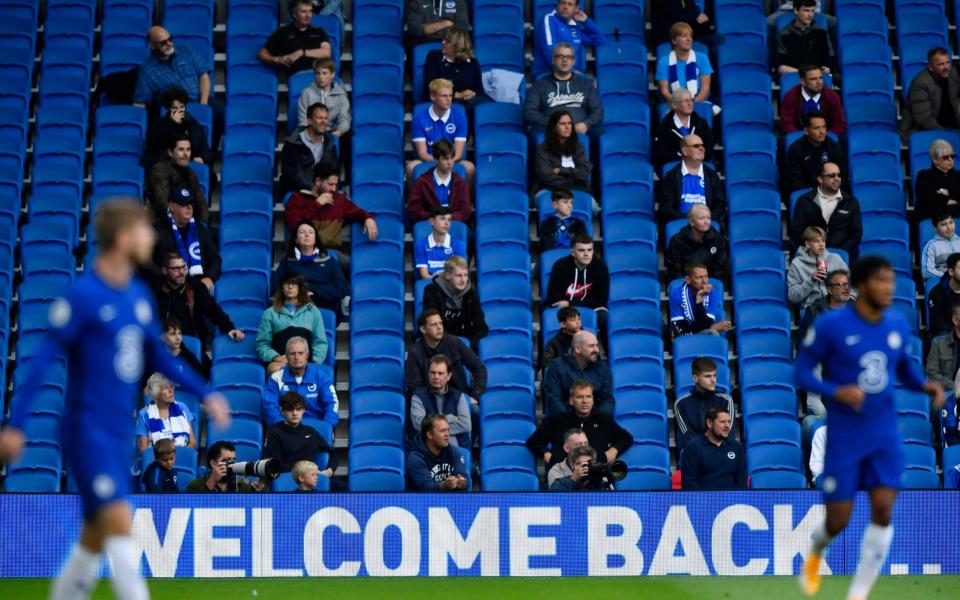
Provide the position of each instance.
(327, 208)
(440, 186)
(809, 96)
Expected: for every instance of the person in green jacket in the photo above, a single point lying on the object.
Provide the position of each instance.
(292, 315)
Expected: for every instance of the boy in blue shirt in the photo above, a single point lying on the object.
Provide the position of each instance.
(558, 229)
(159, 476)
(695, 306)
(431, 252)
(439, 122)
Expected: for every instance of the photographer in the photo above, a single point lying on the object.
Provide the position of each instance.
(220, 478)
(580, 478)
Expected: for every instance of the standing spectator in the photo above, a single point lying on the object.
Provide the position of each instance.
(826, 207)
(572, 439)
(431, 252)
(565, 24)
(807, 275)
(564, 89)
(429, 21)
(456, 62)
(308, 380)
(160, 476)
(680, 122)
(434, 464)
(306, 256)
(558, 229)
(691, 410)
(305, 149)
(809, 96)
(697, 241)
(434, 340)
(179, 233)
(174, 175)
(324, 90)
(439, 397)
(691, 183)
(695, 307)
(174, 125)
(683, 67)
(944, 296)
(713, 461)
(583, 362)
(292, 315)
(942, 360)
(173, 339)
(560, 344)
(665, 13)
(327, 208)
(561, 160)
(453, 296)
(291, 441)
(933, 258)
(581, 280)
(188, 300)
(164, 418)
(439, 122)
(838, 295)
(804, 41)
(297, 44)
(933, 101)
(938, 188)
(440, 186)
(807, 154)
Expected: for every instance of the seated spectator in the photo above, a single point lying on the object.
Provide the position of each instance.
(572, 439)
(564, 89)
(838, 295)
(559, 344)
(695, 307)
(431, 252)
(430, 21)
(456, 62)
(579, 478)
(665, 13)
(179, 233)
(306, 256)
(807, 275)
(219, 478)
(567, 23)
(160, 477)
(804, 41)
(683, 67)
(932, 98)
(806, 155)
(177, 123)
(307, 148)
(938, 188)
(294, 46)
(786, 8)
(949, 423)
(434, 465)
(439, 122)
(440, 186)
(306, 475)
(691, 410)
(942, 359)
(943, 297)
(439, 397)
(188, 300)
(697, 241)
(680, 122)
(714, 461)
(810, 96)
(818, 450)
(164, 418)
(326, 208)
(582, 280)
(583, 362)
(290, 441)
(830, 209)
(434, 340)
(933, 258)
(324, 90)
(558, 229)
(308, 380)
(951, 478)
(561, 161)
(691, 183)
(172, 335)
(173, 174)
(171, 66)
(453, 296)
(292, 315)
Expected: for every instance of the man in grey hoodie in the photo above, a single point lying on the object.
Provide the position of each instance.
(564, 89)
(452, 294)
(806, 278)
(324, 90)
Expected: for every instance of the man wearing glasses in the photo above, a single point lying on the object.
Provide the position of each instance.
(827, 207)
(689, 184)
(564, 90)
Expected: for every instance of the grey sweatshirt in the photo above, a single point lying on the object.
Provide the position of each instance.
(336, 101)
(578, 95)
(802, 290)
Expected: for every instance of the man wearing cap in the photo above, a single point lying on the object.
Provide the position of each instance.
(179, 233)
(174, 173)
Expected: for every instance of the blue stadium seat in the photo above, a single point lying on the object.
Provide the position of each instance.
(645, 431)
(916, 432)
(626, 173)
(634, 291)
(751, 145)
(635, 318)
(866, 58)
(733, 58)
(771, 431)
(378, 71)
(26, 482)
(883, 231)
(769, 403)
(778, 480)
(377, 405)
(621, 260)
(375, 469)
(875, 115)
(758, 376)
(510, 376)
(506, 319)
(868, 86)
(245, 434)
(378, 188)
(378, 21)
(920, 457)
(507, 405)
(750, 177)
(912, 404)
(774, 457)
(639, 378)
(381, 431)
(756, 232)
(634, 232)
(510, 481)
(497, 24)
(914, 479)
(506, 432)
(506, 348)
(506, 459)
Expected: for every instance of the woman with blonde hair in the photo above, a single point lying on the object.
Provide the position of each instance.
(455, 61)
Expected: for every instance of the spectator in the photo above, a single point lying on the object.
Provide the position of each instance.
(561, 161)
(826, 207)
(691, 410)
(559, 344)
(306, 256)
(434, 340)
(456, 62)
(602, 430)
(187, 300)
(697, 241)
(292, 315)
(818, 450)
(440, 186)
(439, 122)
(680, 122)
(326, 208)
(305, 149)
(572, 439)
(579, 479)
(807, 154)
(434, 465)
(583, 362)
(452, 294)
(942, 360)
(665, 13)
(177, 123)
(695, 307)
(439, 397)
(691, 183)
(807, 275)
(683, 67)
(297, 44)
(804, 41)
(944, 296)
(173, 338)
(786, 8)
(179, 233)
(328, 8)
(713, 461)
(219, 478)
(164, 418)
(291, 441)
(558, 229)
(324, 90)
(838, 295)
(932, 102)
(933, 260)
(563, 89)
(951, 478)
(565, 24)
(160, 476)
(431, 252)
(173, 174)
(430, 21)
(306, 475)
(809, 96)
(938, 188)
(949, 421)
(308, 380)
(580, 279)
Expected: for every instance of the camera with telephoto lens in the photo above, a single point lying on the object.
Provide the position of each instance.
(612, 471)
(268, 468)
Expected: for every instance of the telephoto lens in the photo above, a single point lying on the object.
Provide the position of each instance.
(614, 471)
(268, 468)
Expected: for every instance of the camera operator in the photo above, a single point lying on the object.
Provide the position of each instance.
(580, 478)
(220, 478)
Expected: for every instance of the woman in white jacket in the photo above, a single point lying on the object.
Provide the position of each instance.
(807, 275)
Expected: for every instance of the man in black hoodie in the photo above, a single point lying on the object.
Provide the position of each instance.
(581, 280)
(290, 441)
(434, 465)
(433, 341)
(458, 303)
(564, 90)
(691, 410)
(698, 242)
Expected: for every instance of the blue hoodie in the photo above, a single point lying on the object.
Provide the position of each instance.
(551, 29)
(425, 470)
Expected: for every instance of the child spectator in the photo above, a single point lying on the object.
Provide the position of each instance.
(173, 338)
(324, 90)
(305, 474)
(290, 441)
(807, 275)
(439, 122)
(569, 318)
(558, 229)
(440, 186)
(936, 250)
(159, 476)
(431, 252)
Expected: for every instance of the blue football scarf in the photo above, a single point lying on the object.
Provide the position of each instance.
(690, 70)
(190, 248)
(179, 425)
